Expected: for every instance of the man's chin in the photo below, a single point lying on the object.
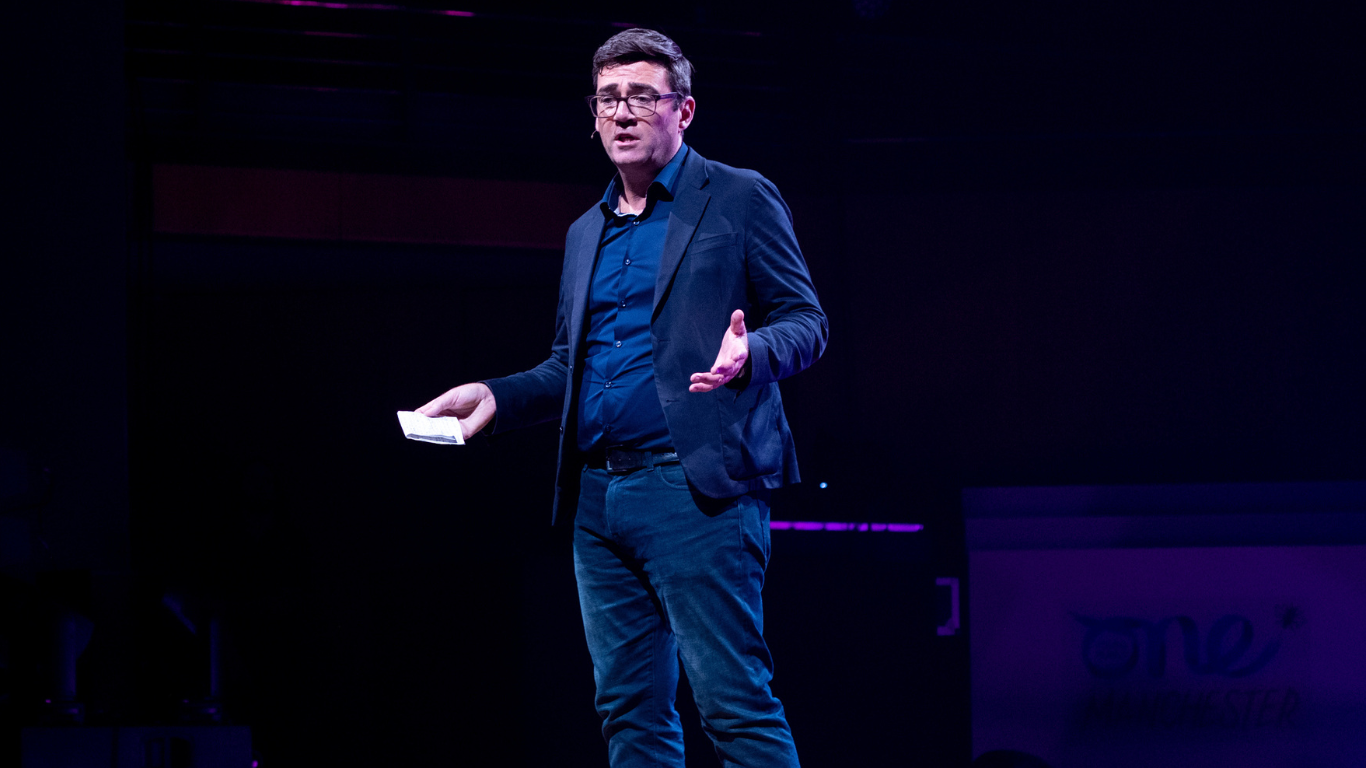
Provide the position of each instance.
(630, 157)
(625, 156)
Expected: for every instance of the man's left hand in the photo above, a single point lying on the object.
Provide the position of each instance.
(730, 361)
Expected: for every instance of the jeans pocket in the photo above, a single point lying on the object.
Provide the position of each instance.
(673, 476)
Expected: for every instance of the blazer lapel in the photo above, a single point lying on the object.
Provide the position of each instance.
(689, 205)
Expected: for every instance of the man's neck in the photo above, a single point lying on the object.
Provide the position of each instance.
(635, 184)
(635, 188)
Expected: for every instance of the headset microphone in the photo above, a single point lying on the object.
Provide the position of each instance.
(594, 134)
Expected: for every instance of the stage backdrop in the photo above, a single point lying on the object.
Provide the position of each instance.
(1169, 625)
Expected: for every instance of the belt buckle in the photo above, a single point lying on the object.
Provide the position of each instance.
(620, 462)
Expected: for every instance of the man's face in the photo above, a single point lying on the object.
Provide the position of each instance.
(642, 143)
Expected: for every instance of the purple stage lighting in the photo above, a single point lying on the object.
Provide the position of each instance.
(804, 525)
(360, 7)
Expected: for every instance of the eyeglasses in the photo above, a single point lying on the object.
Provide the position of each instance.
(638, 104)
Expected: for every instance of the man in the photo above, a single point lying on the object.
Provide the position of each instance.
(666, 464)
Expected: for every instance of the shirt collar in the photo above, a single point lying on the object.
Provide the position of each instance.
(662, 186)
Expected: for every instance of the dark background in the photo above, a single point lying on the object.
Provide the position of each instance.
(1058, 245)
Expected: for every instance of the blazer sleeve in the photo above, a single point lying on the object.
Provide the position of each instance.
(792, 328)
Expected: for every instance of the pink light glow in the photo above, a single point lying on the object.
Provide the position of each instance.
(806, 525)
(905, 527)
(335, 6)
(468, 14)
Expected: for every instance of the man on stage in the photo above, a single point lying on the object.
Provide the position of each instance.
(683, 301)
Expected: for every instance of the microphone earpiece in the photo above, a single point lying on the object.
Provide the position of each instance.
(594, 134)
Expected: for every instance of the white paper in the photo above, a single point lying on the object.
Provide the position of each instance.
(442, 429)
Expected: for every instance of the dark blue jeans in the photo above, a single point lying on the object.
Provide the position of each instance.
(666, 576)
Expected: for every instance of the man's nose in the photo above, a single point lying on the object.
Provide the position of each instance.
(623, 113)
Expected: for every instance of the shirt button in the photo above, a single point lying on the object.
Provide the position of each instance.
(618, 343)
(609, 385)
(635, 223)
(623, 303)
(628, 261)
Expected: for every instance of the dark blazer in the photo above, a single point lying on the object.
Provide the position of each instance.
(729, 246)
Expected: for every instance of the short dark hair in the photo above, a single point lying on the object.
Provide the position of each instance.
(646, 45)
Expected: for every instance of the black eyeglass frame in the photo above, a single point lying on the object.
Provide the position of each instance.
(651, 108)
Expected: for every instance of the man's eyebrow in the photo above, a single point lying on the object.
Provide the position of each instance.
(610, 90)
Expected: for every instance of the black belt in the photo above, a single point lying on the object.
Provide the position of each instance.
(619, 461)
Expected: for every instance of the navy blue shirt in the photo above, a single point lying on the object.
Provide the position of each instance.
(618, 402)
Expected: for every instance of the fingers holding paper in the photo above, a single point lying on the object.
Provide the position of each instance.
(730, 361)
(473, 404)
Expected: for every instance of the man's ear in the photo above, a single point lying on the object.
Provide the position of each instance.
(685, 113)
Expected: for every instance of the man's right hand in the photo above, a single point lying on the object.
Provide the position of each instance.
(471, 403)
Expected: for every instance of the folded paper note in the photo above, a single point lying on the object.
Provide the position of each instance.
(442, 429)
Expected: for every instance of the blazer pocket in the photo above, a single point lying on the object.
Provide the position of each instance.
(708, 242)
(751, 442)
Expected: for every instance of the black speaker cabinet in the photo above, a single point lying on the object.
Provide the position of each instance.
(870, 652)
